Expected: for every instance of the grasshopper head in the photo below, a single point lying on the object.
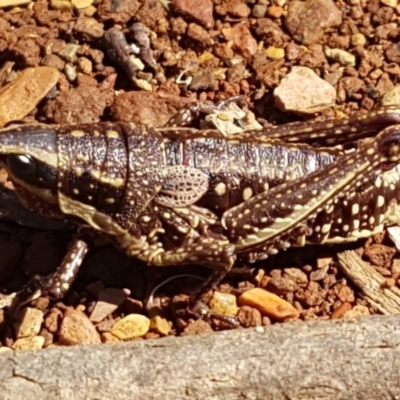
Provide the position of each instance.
(29, 154)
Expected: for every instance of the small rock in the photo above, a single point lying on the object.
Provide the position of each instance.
(76, 328)
(202, 80)
(85, 65)
(308, 20)
(281, 285)
(70, 72)
(160, 325)
(312, 296)
(68, 53)
(269, 304)
(64, 5)
(29, 322)
(32, 343)
(89, 11)
(275, 53)
(197, 327)
(392, 97)
(48, 337)
(107, 337)
(259, 10)
(323, 262)
(200, 11)
(356, 312)
(108, 301)
(68, 107)
(303, 91)
(13, 3)
(236, 9)
(275, 11)
(346, 294)
(154, 109)
(390, 3)
(343, 308)
(131, 327)
(53, 60)
(78, 4)
(358, 39)
(341, 56)
(4, 350)
(319, 274)
(379, 254)
(53, 319)
(224, 304)
(20, 97)
(296, 274)
(243, 41)
(120, 11)
(249, 317)
(89, 28)
(199, 34)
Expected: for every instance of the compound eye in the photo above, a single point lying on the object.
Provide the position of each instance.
(21, 165)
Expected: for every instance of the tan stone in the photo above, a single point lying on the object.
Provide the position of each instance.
(160, 325)
(30, 322)
(304, 92)
(269, 304)
(131, 327)
(32, 343)
(224, 304)
(357, 312)
(13, 3)
(20, 97)
(5, 349)
(79, 4)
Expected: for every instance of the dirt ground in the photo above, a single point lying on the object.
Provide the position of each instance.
(143, 61)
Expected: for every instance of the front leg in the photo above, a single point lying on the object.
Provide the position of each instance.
(57, 284)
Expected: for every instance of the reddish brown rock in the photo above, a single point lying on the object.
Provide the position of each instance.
(243, 41)
(197, 327)
(53, 319)
(154, 109)
(89, 28)
(234, 8)
(81, 105)
(379, 254)
(76, 328)
(249, 316)
(119, 12)
(200, 11)
(108, 301)
(308, 20)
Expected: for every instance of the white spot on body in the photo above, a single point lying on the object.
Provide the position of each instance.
(247, 193)
(220, 189)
